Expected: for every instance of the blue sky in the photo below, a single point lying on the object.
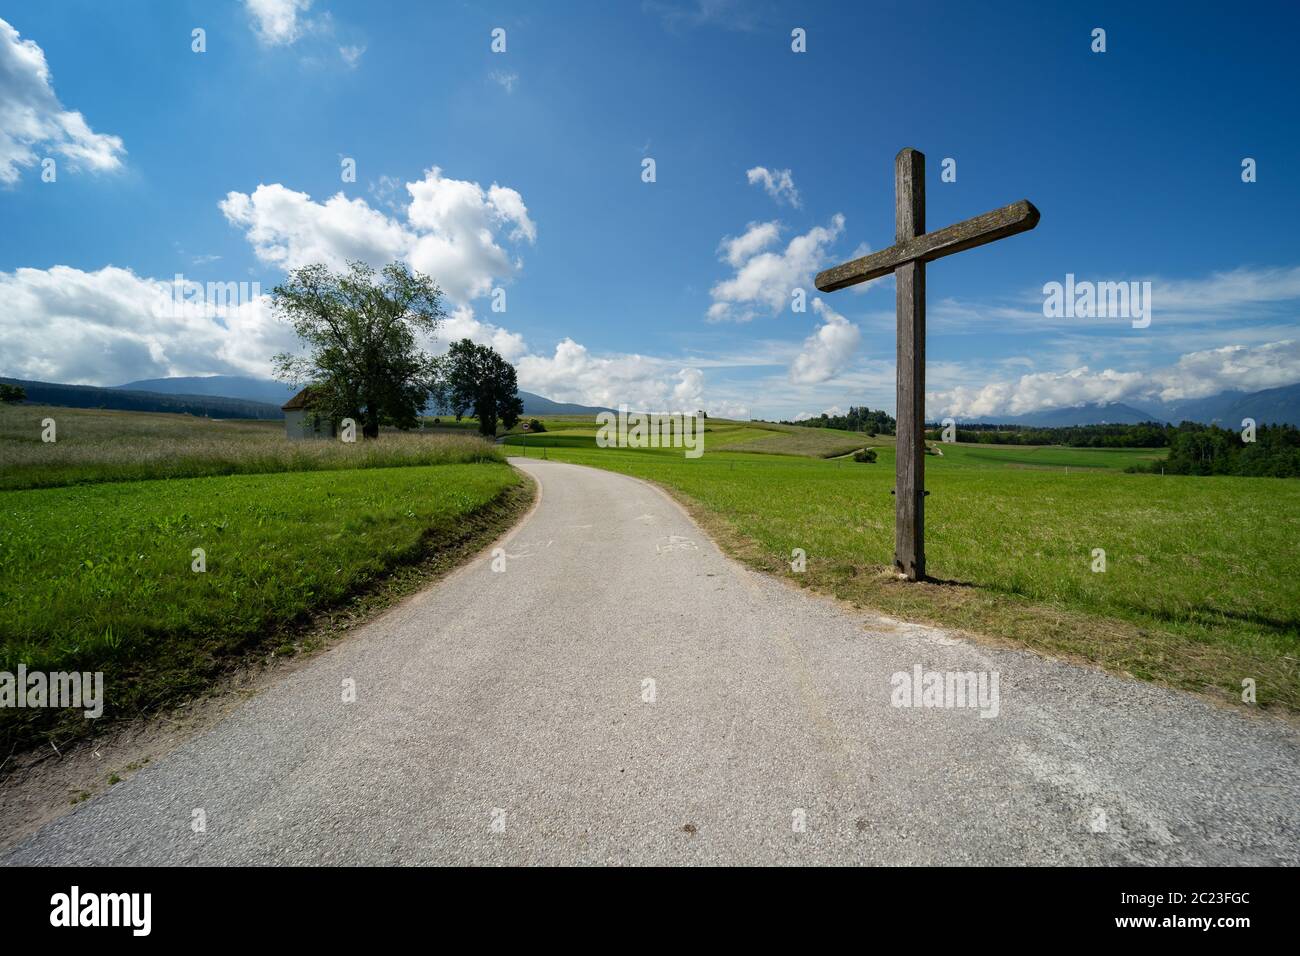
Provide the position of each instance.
(525, 174)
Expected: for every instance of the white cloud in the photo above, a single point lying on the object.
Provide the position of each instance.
(1080, 386)
(831, 412)
(827, 351)
(351, 55)
(777, 183)
(1194, 375)
(451, 231)
(289, 230)
(276, 22)
(455, 224)
(1226, 290)
(1242, 295)
(756, 237)
(461, 324)
(112, 326)
(764, 279)
(573, 374)
(33, 121)
(1248, 368)
(688, 390)
(725, 408)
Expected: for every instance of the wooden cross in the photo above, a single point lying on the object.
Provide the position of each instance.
(913, 247)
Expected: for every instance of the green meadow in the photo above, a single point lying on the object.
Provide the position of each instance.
(95, 445)
(1201, 587)
(98, 533)
(97, 573)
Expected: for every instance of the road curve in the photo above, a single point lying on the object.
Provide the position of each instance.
(502, 717)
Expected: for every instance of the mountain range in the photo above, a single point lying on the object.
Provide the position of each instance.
(219, 396)
(1227, 409)
(277, 393)
(236, 396)
(135, 400)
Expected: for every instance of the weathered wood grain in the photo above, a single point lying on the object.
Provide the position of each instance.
(991, 226)
(909, 459)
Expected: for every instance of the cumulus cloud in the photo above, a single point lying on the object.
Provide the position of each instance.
(573, 374)
(827, 351)
(1194, 375)
(766, 277)
(735, 250)
(288, 229)
(112, 326)
(1029, 393)
(32, 119)
(462, 324)
(777, 183)
(277, 22)
(1248, 368)
(456, 225)
(453, 230)
(830, 412)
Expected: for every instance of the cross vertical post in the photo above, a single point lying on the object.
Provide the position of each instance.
(909, 484)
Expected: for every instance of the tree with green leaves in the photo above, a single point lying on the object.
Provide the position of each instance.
(475, 378)
(362, 330)
(12, 394)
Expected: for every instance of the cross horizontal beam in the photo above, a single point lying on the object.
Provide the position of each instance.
(998, 224)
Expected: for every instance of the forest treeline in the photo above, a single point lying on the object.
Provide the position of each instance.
(1194, 449)
(857, 419)
(1144, 435)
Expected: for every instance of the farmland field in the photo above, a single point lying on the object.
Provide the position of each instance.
(1202, 582)
(99, 573)
(94, 445)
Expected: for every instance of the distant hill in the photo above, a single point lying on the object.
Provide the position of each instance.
(1273, 406)
(277, 393)
(1112, 413)
(537, 405)
(227, 386)
(132, 400)
(239, 396)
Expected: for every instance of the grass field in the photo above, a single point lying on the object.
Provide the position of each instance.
(95, 445)
(1201, 588)
(97, 533)
(97, 575)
